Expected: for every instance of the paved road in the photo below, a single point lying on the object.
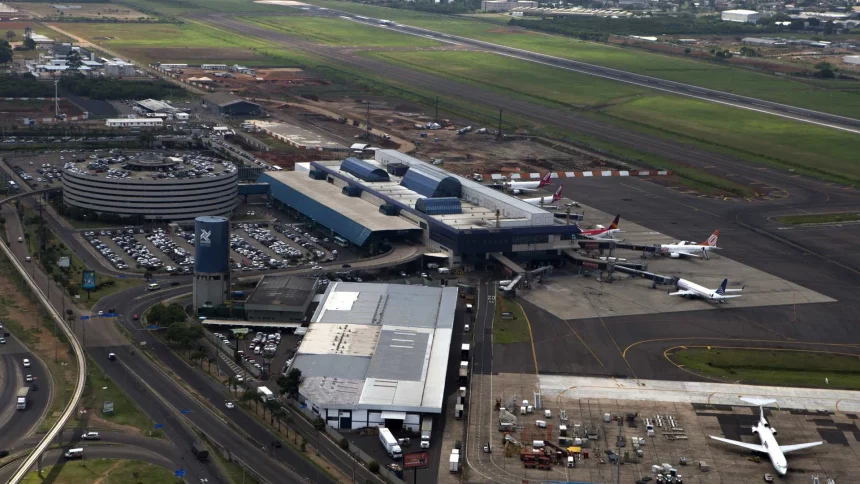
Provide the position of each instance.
(17, 424)
(55, 458)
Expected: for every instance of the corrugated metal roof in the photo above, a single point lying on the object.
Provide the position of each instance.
(433, 185)
(439, 206)
(364, 170)
(394, 339)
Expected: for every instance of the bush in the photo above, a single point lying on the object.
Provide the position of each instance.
(344, 444)
(373, 466)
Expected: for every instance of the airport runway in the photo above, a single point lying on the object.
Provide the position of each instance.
(717, 164)
(823, 259)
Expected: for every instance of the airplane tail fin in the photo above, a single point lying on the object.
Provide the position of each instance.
(557, 195)
(545, 180)
(722, 289)
(761, 402)
(712, 240)
(614, 224)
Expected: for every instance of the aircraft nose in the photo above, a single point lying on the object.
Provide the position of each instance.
(782, 470)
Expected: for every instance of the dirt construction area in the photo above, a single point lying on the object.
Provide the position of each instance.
(606, 437)
(36, 109)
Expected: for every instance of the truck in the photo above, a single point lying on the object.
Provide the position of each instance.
(392, 448)
(21, 400)
(265, 393)
(426, 430)
(454, 462)
(464, 371)
(199, 450)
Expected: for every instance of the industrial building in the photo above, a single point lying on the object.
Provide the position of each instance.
(377, 354)
(153, 106)
(134, 123)
(211, 261)
(226, 103)
(280, 299)
(150, 186)
(298, 137)
(505, 5)
(398, 197)
(743, 16)
(851, 59)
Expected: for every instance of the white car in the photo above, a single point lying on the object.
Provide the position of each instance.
(2, 341)
(29, 378)
(230, 405)
(26, 363)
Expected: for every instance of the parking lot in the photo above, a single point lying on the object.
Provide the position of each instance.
(270, 347)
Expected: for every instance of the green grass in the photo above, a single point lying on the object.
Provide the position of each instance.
(109, 285)
(105, 471)
(509, 331)
(818, 218)
(771, 367)
(838, 97)
(517, 77)
(340, 32)
(192, 42)
(100, 388)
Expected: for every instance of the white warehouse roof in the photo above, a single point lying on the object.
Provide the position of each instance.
(378, 346)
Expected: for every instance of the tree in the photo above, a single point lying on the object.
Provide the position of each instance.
(74, 62)
(829, 28)
(231, 383)
(10, 35)
(5, 52)
(29, 43)
(250, 395)
(279, 413)
(197, 356)
(272, 406)
(290, 383)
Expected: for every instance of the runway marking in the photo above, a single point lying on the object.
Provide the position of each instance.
(706, 338)
(673, 201)
(610, 337)
(531, 337)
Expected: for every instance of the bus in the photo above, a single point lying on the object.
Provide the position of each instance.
(340, 241)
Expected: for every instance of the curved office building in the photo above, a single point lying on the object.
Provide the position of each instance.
(153, 186)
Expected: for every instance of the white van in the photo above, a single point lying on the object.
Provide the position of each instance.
(153, 287)
(76, 453)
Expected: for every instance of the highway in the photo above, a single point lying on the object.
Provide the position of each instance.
(17, 424)
(54, 457)
(711, 95)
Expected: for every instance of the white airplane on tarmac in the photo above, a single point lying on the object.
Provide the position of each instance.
(693, 290)
(685, 248)
(545, 201)
(518, 187)
(766, 434)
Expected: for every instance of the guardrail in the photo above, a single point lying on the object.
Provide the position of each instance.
(82, 368)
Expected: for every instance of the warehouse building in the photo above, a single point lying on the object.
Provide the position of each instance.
(505, 5)
(134, 123)
(280, 299)
(398, 197)
(743, 16)
(377, 354)
(226, 103)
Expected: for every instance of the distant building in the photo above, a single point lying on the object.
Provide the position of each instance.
(851, 59)
(154, 106)
(61, 51)
(742, 16)
(135, 123)
(763, 42)
(214, 67)
(226, 103)
(119, 69)
(504, 5)
(280, 299)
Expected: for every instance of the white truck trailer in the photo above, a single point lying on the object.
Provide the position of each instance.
(390, 443)
(21, 399)
(265, 393)
(426, 430)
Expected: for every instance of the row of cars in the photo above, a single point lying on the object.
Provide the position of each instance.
(177, 254)
(253, 258)
(305, 239)
(125, 241)
(265, 237)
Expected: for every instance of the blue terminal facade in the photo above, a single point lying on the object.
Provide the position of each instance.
(441, 205)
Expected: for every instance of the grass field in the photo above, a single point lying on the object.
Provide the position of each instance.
(838, 97)
(509, 331)
(84, 10)
(762, 138)
(104, 471)
(192, 42)
(340, 32)
(772, 367)
(818, 218)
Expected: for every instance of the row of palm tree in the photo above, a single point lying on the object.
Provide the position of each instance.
(276, 411)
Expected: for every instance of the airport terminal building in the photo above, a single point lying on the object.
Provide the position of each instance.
(398, 197)
(377, 354)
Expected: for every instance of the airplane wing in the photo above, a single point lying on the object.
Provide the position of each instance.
(791, 448)
(686, 254)
(733, 290)
(682, 293)
(753, 447)
(521, 190)
(730, 297)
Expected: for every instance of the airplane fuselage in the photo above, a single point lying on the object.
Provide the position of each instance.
(698, 291)
(767, 439)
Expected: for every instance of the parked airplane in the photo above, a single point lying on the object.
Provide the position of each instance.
(686, 248)
(693, 290)
(602, 232)
(766, 434)
(518, 187)
(544, 201)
